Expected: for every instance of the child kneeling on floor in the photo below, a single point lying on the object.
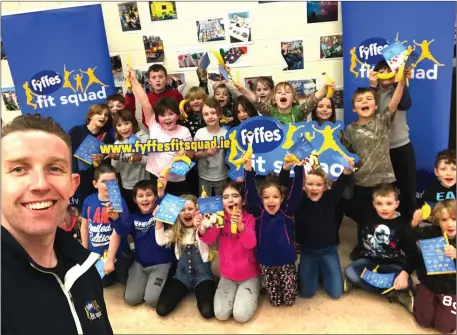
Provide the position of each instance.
(384, 236)
(149, 271)
(435, 300)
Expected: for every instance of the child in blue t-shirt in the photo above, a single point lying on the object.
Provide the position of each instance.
(98, 236)
(152, 264)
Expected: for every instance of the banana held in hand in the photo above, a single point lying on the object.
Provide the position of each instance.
(330, 89)
(234, 226)
(204, 194)
(164, 173)
(181, 109)
(384, 76)
(426, 211)
(184, 159)
(246, 156)
(224, 120)
(290, 158)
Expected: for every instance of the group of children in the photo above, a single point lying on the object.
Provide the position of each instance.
(169, 261)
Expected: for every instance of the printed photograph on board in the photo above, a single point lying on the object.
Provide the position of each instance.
(321, 11)
(210, 30)
(116, 66)
(10, 99)
(239, 27)
(162, 10)
(176, 80)
(250, 82)
(142, 77)
(3, 52)
(292, 55)
(189, 58)
(304, 87)
(153, 48)
(129, 16)
(235, 56)
(331, 46)
(119, 90)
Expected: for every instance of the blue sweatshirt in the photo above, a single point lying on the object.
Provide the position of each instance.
(275, 244)
(142, 227)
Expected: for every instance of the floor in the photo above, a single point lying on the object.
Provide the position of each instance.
(356, 312)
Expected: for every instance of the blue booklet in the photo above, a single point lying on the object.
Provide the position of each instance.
(395, 55)
(436, 262)
(133, 139)
(381, 280)
(181, 168)
(100, 264)
(169, 208)
(114, 194)
(88, 147)
(233, 174)
(302, 148)
(210, 205)
(82, 165)
(224, 73)
(204, 63)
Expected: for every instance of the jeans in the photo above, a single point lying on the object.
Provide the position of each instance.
(355, 269)
(325, 261)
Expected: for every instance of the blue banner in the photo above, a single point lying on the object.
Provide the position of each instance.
(270, 140)
(429, 28)
(59, 61)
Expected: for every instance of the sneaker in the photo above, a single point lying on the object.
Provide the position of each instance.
(404, 298)
(347, 285)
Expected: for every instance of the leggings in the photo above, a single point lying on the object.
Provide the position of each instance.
(281, 284)
(174, 291)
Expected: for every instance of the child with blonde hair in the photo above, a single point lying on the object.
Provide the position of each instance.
(285, 105)
(193, 108)
(435, 301)
(194, 267)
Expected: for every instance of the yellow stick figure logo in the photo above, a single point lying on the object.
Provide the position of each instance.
(66, 81)
(92, 78)
(354, 61)
(329, 142)
(79, 84)
(288, 143)
(29, 95)
(234, 150)
(426, 54)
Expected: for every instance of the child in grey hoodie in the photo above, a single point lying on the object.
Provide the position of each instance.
(131, 166)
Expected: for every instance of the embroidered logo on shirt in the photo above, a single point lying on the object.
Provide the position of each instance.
(93, 310)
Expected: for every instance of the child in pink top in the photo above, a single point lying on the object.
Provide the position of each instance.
(239, 287)
(163, 128)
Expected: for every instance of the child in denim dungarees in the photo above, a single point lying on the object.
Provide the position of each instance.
(194, 268)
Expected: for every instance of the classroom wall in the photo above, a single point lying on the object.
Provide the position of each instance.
(271, 22)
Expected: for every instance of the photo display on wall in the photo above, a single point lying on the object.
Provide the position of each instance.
(331, 46)
(129, 16)
(153, 48)
(163, 10)
(321, 11)
(211, 30)
(10, 99)
(303, 87)
(190, 58)
(292, 54)
(239, 27)
(116, 66)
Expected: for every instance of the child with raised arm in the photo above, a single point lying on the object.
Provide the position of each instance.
(212, 170)
(193, 273)
(163, 127)
(317, 229)
(368, 137)
(435, 301)
(273, 211)
(285, 105)
(157, 77)
(386, 241)
(239, 287)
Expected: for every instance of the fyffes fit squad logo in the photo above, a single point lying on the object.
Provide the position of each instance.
(41, 85)
(366, 55)
(266, 141)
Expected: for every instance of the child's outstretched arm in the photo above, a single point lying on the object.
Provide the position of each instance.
(123, 225)
(338, 187)
(84, 233)
(262, 107)
(162, 237)
(310, 102)
(114, 242)
(296, 191)
(140, 93)
(398, 93)
(405, 102)
(252, 195)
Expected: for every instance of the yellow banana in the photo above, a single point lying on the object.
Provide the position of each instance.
(426, 210)
(384, 76)
(218, 57)
(290, 158)
(164, 173)
(181, 108)
(234, 226)
(330, 89)
(204, 194)
(376, 268)
(184, 159)
(128, 84)
(224, 120)
(246, 156)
